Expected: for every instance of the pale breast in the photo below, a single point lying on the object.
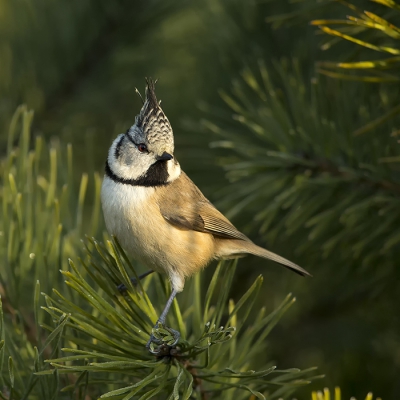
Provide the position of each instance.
(132, 214)
(126, 214)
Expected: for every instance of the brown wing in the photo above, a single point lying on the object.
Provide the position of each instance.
(183, 205)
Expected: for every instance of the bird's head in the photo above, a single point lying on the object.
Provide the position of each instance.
(144, 154)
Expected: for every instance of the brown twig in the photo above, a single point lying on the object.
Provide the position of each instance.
(197, 382)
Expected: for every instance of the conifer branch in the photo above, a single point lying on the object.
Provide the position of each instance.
(90, 338)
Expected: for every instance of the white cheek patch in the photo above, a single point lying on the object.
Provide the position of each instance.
(126, 163)
(127, 166)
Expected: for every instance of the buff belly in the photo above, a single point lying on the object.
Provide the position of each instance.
(132, 215)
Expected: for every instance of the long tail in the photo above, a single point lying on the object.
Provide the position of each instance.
(240, 247)
(259, 251)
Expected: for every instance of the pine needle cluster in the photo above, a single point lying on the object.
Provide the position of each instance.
(81, 338)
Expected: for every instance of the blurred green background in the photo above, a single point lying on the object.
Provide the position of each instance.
(263, 135)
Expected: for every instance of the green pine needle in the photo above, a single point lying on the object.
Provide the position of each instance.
(74, 333)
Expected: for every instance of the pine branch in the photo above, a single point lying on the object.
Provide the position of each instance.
(362, 178)
(326, 395)
(90, 338)
(207, 360)
(287, 153)
(377, 29)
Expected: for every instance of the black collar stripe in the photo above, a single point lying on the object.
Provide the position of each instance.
(157, 175)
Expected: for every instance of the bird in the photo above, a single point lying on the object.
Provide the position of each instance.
(156, 212)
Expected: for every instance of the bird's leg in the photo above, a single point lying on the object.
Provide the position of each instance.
(122, 287)
(161, 321)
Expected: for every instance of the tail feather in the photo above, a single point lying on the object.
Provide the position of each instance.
(259, 251)
(240, 247)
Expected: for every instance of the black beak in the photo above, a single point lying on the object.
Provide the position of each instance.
(164, 157)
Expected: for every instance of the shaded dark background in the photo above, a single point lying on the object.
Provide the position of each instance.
(77, 64)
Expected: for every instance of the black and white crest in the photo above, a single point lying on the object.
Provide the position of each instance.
(151, 121)
(144, 155)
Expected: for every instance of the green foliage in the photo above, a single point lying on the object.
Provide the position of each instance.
(90, 328)
(69, 53)
(41, 223)
(106, 336)
(382, 36)
(313, 164)
(326, 395)
(77, 64)
(372, 31)
(41, 220)
(277, 148)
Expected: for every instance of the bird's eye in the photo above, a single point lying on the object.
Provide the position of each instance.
(142, 148)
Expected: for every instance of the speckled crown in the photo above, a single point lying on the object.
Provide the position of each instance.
(152, 120)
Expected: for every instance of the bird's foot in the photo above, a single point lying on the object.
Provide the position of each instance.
(162, 340)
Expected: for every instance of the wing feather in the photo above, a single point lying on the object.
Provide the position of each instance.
(217, 224)
(183, 205)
